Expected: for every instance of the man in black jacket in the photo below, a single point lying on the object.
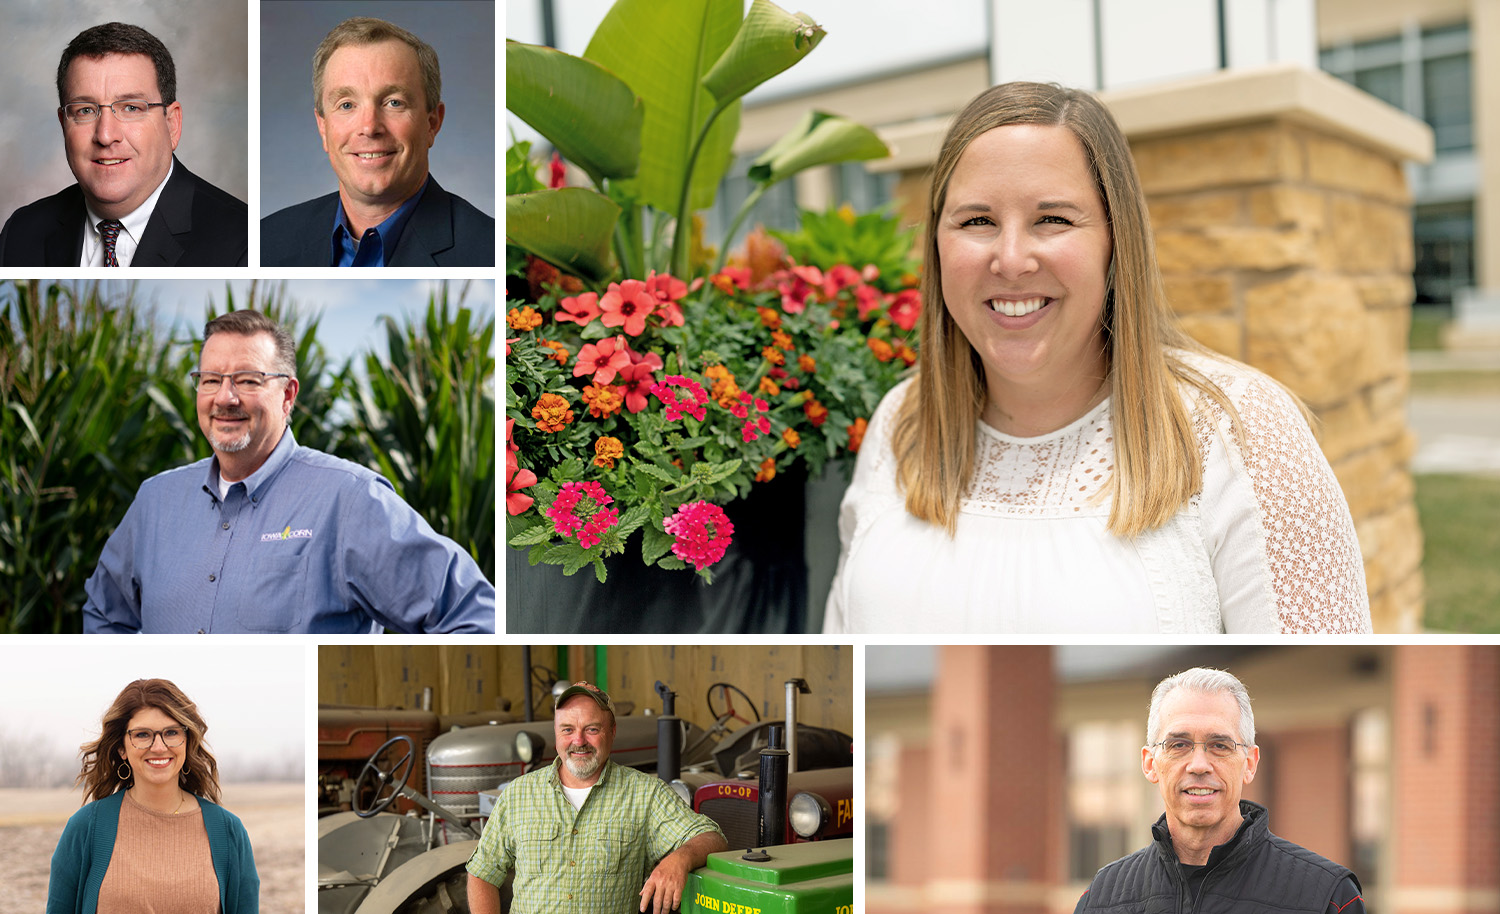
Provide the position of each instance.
(134, 203)
(1210, 850)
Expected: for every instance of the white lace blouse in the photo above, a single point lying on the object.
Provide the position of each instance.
(1267, 545)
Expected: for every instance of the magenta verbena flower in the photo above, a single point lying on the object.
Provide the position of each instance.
(702, 533)
(579, 511)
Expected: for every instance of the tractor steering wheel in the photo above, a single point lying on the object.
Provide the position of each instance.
(384, 777)
(729, 712)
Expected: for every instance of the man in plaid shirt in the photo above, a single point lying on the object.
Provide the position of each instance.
(586, 834)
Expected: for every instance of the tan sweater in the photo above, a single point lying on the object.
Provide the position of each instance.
(160, 865)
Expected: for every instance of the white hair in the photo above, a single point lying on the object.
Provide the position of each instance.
(1202, 679)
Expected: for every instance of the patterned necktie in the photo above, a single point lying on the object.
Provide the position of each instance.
(110, 230)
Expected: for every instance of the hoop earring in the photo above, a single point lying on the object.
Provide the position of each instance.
(123, 772)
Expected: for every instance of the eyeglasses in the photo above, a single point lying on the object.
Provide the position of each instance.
(246, 382)
(171, 737)
(130, 109)
(1179, 748)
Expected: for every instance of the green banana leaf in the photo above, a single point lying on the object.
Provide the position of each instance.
(570, 227)
(587, 112)
(661, 50)
(818, 139)
(769, 41)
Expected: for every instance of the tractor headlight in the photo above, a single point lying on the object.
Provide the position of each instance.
(528, 746)
(808, 814)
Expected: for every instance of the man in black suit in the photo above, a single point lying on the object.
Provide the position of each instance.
(134, 203)
(378, 102)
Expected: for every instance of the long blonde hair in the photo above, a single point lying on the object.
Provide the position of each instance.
(1157, 465)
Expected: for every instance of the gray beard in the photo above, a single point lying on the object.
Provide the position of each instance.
(230, 445)
(585, 769)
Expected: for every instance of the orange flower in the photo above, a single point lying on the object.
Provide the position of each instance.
(781, 339)
(606, 451)
(857, 434)
(817, 413)
(773, 355)
(791, 438)
(769, 318)
(807, 363)
(769, 387)
(882, 349)
(523, 318)
(559, 351)
(767, 470)
(906, 354)
(604, 400)
(726, 391)
(551, 413)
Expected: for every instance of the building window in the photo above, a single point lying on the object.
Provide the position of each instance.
(1369, 810)
(1444, 235)
(1105, 798)
(1425, 73)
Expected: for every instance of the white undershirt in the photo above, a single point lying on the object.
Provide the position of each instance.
(576, 795)
(130, 236)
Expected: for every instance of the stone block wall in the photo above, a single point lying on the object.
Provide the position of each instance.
(1290, 248)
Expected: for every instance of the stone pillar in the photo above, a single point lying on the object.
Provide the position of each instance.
(1446, 828)
(996, 769)
(1283, 228)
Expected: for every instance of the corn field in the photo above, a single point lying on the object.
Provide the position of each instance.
(94, 399)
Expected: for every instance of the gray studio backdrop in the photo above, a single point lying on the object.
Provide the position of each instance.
(293, 165)
(208, 43)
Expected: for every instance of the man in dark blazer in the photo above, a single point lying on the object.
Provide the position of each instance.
(377, 97)
(134, 203)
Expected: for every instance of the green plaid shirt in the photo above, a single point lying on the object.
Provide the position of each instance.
(594, 859)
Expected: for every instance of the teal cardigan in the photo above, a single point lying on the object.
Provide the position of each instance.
(83, 852)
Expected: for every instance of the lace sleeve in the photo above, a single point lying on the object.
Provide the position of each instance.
(1301, 535)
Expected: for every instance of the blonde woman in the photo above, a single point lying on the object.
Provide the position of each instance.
(151, 836)
(1066, 460)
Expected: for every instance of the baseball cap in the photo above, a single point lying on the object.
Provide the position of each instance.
(585, 688)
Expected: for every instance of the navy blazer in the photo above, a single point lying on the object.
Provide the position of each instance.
(195, 224)
(445, 230)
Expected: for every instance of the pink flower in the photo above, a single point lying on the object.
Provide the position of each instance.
(603, 359)
(517, 479)
(795, 285)
(906, 307)
(579, 511)
(731, 279)
(867, 298)
(677, 407)
(559, 174)
(702, 533)
(579, 309)
(665, 288)
(837, 278)
(627, 304)
(637, 378)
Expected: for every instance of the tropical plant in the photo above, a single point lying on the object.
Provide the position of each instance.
(673, 74)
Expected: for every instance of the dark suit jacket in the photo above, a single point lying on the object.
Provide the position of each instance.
(195, 224)
(445, 230)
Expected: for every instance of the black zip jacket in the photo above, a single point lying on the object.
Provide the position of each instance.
(1254, 872)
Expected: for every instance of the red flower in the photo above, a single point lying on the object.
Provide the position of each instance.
(517, 479)
(559, 175)
(857, 434)
(906, 307)
(702, 532)
(579, 309)
(868, 299)
(730, 279)
(675, 407)
(627, 304)
(838, 277)
(795, 285)
(603, 359)
(637, 378)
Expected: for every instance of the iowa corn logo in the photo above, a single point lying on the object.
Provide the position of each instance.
(287, 533)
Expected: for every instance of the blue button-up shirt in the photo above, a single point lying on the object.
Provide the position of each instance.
(377, 244)
(308, 543)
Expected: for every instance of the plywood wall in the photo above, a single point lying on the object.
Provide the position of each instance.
(475, 677)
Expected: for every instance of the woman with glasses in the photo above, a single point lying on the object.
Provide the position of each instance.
(151, 836)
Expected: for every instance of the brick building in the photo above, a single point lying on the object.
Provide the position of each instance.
(1002, 786)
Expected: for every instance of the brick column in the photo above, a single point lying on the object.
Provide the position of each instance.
(995, 818)
(1446, 832)
(1283, 229)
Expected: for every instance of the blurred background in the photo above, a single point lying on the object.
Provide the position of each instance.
(252, 699)
(1321, 179)
(1000, 779)
(396, 375)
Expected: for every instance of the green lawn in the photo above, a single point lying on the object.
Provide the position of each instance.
(1460, 518)
(1425, 329)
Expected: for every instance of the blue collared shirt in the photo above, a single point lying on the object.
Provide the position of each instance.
(308, 544)
(377, 244)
